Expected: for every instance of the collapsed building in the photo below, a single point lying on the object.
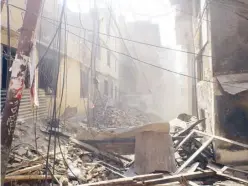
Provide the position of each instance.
(157, 154)
(216, 31)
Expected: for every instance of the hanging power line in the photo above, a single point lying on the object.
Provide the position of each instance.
(155, 66)
(135, 41)
(152, 65)
(54, 115)
(117, 37)
(144, 62)
(118, 29)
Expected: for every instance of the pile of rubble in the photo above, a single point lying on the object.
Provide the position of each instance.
(71, 166)
(108, 115)
(81, 163)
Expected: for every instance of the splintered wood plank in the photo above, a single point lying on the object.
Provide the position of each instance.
(26, 170)
(154, 152)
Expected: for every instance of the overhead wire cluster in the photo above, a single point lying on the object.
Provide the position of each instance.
(124, 54)
(135, 58)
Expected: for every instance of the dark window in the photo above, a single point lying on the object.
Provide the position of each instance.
(6, 65)
(48, 69)
(106, 87)
(83, 84)
(108, 58)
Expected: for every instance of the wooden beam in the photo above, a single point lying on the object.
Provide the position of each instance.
(173, 178)
(97, 151)
(27, 177)
(26, 170)
(184, 140)
(188, 129)
(186, 163)
(220, 173)
(222, 139)
(192, 183)
(225, 168)
(124, 181)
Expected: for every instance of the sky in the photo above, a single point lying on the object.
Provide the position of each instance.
(157, 11)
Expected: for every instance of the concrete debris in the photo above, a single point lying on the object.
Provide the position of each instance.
(82, 163)
(72, 166)
(108, 115)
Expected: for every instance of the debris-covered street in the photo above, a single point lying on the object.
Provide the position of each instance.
(124, 92)
(82, 163)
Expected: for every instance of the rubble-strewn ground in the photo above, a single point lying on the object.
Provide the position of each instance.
(109, 115)
(75, 165)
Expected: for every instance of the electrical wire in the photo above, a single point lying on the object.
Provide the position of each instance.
(135, 41)
(152, 65)
(158, 67)
(62, 95)
(58, 30)
(143, 73)
(55, 117)
(35, 109)
(155, 66)
(95, 74)
(117, 37)
(140, 68)
(49, 45)
(206, 6)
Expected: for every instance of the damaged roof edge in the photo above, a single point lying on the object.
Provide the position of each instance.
(233, 83)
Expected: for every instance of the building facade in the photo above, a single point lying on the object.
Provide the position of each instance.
(140, 82)
(220, 35)
(84, 47)
(17, 13)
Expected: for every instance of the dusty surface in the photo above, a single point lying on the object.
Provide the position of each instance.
(73, 163)
(25, 135)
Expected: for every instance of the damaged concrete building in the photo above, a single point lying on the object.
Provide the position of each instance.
(218, 30)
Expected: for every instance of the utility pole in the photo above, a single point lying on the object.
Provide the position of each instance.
(9, 47)
(92, 71)
(16, 85)
(2, 3)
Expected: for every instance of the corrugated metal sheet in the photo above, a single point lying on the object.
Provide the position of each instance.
(25, 111)
(233, 83)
